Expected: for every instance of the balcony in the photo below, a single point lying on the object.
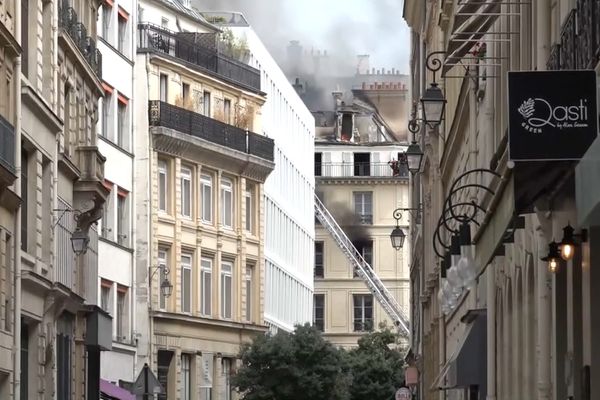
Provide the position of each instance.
(68, 20)
(180, 131)
(579, 43)
(360, 170)
(197, 52)
(7, 153)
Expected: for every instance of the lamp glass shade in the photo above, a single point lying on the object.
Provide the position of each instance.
(166, 288)
(567, 251)
(434, 104)
(414, 157)
(397, 236)
(79, 241)
(553, 265)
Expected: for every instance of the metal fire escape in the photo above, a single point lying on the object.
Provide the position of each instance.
(364, 270)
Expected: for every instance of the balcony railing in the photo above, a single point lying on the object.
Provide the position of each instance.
(212, 130)
(360, 169)
(184, 47)
(7, 145)
(579, 43)
(68, 20)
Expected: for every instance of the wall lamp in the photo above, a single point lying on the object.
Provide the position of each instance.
(397, 236)
(166, 288)
(80, 239)
(565, 249)
(433, 101)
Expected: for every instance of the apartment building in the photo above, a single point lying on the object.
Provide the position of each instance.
(58, 328)
(360, 180)
(10, 50)
(116, 28)
(289, 190)
(526, 327)
(199, 184)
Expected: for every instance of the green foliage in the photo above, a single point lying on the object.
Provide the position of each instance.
(236, 48)
(294, 366)
(302, 365)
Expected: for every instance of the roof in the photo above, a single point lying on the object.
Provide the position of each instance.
(192, 12)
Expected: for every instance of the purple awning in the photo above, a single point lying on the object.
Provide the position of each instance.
(115, 391)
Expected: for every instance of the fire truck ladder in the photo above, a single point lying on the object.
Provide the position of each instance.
(375, 285)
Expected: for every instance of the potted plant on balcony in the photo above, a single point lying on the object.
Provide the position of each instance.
(236, 48)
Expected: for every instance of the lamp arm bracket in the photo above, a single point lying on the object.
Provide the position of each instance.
(155, 268)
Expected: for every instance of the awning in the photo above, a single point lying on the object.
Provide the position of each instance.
(467, 365)
(110, 391)
(473, 19)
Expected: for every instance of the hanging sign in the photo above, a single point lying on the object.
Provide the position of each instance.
(552, 114)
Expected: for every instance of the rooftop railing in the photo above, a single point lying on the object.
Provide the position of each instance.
(360, 169)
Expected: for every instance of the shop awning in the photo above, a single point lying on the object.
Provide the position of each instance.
(473, 19)
(467, 364)
(110, 391)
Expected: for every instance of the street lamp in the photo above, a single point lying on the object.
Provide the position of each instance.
(166, 288)
(80, 241)
(553, 257)
(434, 104)
(568, 243)
(414, 154)
(398, 236)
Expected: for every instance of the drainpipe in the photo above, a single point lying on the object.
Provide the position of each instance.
(17, 232)
(491, 331)
(543, 290)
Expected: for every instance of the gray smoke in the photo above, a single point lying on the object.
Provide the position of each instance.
(349, 222)
(376, 28)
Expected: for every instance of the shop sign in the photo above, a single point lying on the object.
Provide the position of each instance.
(552, 114)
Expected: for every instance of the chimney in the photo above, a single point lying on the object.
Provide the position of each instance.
(337, 99)
(393, 71)
(298, 86)
(373, 71)
(362, 64)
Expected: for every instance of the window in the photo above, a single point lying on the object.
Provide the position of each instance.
(227, 111)
(164, 22)
(24, 361)
(186, 192)
(121, 312)
(185, 93)
(163, 266)
(206, 286)
(365, 248)
(226, 289)
(107, 125)
(163, 186)
(122, 218)
(249, 210)
(362, 164)
(206, 197)
(106, 20)
(226, 364)
(164, 86)
(227, 203)
(186, 283)
(319, 270)
(24, 198)
(318, 163)
(122, 46)
(207, 376)
(105, 300)
(108, 214)
(319, 312)
(363, 207)
(123, 122)
(25, 36)
(186, 381)
(363, 312)
(64, 365)
(206, 105)
(164, 359)
(249, 293)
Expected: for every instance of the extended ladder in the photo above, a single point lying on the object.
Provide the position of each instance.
(380, 292)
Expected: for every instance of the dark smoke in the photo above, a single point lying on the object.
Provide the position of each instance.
(350, 223)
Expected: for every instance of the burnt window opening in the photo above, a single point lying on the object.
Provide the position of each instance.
(362, 164)
(347, 127)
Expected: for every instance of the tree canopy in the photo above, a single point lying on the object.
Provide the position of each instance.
(303, 365)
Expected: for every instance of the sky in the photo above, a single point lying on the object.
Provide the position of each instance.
(344, 28)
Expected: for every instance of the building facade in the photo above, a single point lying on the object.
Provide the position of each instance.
(519, 330)
(116, 140)
(199, 184)
(360, 181)
(289, 204)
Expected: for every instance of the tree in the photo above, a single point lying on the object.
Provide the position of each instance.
(376, 366)
(293, 366)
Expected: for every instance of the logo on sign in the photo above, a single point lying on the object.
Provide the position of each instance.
(538, 113)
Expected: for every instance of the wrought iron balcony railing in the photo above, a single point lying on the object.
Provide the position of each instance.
(212, 130)
(68, 20)
(196, 53)
(361, 169)
(7, 145)
(579, 43)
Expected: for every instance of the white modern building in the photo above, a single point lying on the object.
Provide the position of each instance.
(289, 190)
(116, 255)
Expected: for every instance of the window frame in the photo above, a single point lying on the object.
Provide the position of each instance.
(121, 323)
(227, 186)
(163, 86)
(186, 177)
(186, 375)
(319, 323)
(249, 203)
(248, 281)
(321, 267)
(226, 276)
(206, 181)
(206, 277)
(163, 188)
(364, 218)
(186, 284)
(361, 323)
(163, 265)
